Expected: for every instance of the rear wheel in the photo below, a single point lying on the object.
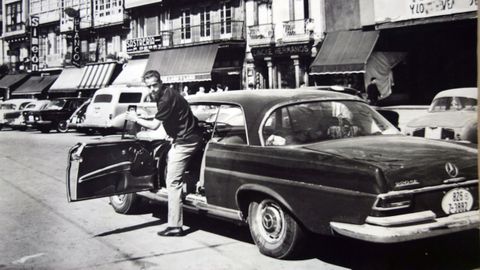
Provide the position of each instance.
(274, 230)
(62, 126)
(127, 203)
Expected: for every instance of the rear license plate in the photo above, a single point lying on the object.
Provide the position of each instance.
(457, 200)
(30, 118)
(433, 133)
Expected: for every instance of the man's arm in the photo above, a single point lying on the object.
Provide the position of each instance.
(150, 124)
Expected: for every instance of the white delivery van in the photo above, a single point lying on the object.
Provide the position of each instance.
(110, 103)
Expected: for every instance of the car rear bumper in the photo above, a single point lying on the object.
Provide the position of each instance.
(437, 226)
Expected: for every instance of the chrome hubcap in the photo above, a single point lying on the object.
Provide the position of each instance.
(271, 218)
(118, 199)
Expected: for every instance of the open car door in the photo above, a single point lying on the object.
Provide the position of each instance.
(106, 168)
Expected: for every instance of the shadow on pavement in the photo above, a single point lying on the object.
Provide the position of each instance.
(457, 251)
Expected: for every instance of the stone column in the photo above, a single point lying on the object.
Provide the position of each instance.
(296, 64)
(270, 71)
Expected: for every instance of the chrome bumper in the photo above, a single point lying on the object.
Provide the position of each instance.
(437, 226)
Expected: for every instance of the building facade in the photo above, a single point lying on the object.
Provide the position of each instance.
(415, 48)
(193, 43)
(283, 37)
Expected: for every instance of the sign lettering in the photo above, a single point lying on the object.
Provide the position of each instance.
(299, 49)
(34, 49)
(143, 44)
(76, 51)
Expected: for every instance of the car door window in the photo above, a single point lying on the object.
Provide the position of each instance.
(229, 125)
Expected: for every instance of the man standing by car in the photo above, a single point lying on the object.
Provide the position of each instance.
(372, 92)
(180, 124)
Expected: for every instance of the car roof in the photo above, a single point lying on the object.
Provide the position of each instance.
(18, 101)
(469, 92)
(112, 89)
(256, 103)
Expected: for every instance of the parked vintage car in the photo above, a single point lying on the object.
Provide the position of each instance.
(452, 116)
(291, 163)
(55, 114)
(12, 105)
(78, 117)
(107, 104)
(16, 119)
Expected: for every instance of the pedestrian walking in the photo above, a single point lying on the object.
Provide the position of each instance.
(175, 115)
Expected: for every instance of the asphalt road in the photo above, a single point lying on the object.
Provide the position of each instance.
(39, 229)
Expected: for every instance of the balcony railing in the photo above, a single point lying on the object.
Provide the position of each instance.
(232, 30)
(298, 27)
(261, 34)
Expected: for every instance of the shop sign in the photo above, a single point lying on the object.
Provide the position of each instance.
(186, 78)
(391, 11)
(76, 47)
(143, 44)
(297, 49)
(34, 49)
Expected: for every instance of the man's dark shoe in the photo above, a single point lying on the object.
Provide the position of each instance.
(172, 231)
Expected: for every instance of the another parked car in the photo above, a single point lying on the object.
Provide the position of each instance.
(16, 119)
(78, 117)
(12, 105)
(290, 163)
(107, 104)
(452, 116)
(55, 114)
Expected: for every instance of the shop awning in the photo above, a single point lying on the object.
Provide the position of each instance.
(137, 3)
(12, 80)
(67, 81)
(187, 64)
(35, 85)
(344, 52)
(96, 76)
(132, 73)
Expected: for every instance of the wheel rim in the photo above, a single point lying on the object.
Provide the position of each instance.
(118, 199)
(271, 221)
(62, 126)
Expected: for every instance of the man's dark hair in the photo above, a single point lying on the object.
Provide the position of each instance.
(373, 78)
(151, 74)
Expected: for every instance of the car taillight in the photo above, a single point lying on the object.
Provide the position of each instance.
(37, 118)
(392, 203)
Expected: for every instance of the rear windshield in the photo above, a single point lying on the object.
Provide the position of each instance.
(103, 99)
(130, 98)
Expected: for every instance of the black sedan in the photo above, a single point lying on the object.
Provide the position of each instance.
(291, 163)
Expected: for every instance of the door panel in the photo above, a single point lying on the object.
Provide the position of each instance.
(103, 169)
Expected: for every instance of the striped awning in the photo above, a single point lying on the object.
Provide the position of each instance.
(35, 85)
(189, 64)
(68, 80)
(96, 76)
(344, 52)
(12, 80)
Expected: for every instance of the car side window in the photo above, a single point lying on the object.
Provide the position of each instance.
(130, 98)
(229, 125)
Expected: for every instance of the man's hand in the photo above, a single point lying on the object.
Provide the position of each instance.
(131, 116)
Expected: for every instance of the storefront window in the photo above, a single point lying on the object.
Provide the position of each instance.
(14, 19)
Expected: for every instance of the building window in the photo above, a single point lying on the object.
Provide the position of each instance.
(14, 20)
(226, 19)
(186, 25)
(205, 22)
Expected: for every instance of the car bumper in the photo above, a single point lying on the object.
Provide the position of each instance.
(437, 226)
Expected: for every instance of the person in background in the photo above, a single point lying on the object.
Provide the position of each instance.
(175, 115)
(185, 91)
(201, 90)
(372, 92)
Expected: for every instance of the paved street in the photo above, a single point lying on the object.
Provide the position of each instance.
(40, 230)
